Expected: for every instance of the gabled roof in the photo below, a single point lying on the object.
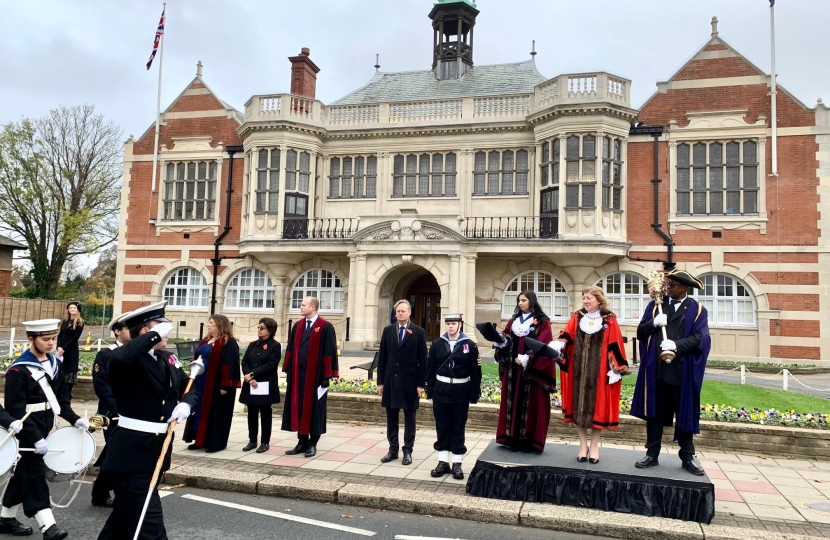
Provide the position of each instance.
(8, 242)
(494, 80)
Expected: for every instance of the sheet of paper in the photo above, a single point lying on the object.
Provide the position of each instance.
(321, 391)
(261, 389)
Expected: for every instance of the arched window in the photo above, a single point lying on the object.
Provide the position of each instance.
(250, 289)
(186, 288)
(627, 295)
(728, 301)
(322, 284)
(552, 296)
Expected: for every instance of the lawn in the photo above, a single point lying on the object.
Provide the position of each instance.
(735, 395)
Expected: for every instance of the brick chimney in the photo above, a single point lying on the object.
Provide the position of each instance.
(303, 74)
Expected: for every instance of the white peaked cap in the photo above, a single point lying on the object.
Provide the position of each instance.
(42, 327)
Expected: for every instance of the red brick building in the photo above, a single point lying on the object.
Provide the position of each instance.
(458, 186)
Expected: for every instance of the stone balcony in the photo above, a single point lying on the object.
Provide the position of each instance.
(564, 90)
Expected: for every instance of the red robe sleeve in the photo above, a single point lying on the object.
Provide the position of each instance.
(615, 345)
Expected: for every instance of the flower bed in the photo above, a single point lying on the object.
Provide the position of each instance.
(491, 393)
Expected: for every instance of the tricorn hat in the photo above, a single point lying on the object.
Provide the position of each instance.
(153, 312)
(682, 276)
(489, 332)
(542, 349)
(42, 327)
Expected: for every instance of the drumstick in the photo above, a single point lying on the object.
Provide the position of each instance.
(6, 438)
(35, 450)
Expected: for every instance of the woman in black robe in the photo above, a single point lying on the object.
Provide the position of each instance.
(72, 328)
(259, 368)
(210, 426)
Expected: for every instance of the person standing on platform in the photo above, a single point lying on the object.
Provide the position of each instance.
(72, 328)
(402, 374)
(106, 405)
(210, 426)
(667, 390)
(310, 363)
(146, 383)
(594, 356)
(261, 388)
(35, 383)
(453, 383)
(527, 379)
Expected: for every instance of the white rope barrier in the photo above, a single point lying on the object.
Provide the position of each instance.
(784, 376)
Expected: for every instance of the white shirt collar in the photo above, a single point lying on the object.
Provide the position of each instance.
(673, 301)
(402, 325)
(312, 319)
(118, 343)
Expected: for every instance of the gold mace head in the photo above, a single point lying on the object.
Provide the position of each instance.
(98, 421)
(656, 285)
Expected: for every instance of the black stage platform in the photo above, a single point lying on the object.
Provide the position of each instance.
(613, 484)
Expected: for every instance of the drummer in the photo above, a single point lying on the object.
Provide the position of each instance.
(35, 384)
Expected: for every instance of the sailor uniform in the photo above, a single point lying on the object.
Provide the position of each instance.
(453, 382)
(106, 407)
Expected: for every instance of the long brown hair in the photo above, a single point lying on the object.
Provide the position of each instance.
(77, 319)
(223, 326)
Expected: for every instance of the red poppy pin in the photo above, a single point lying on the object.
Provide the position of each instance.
(535, 322)
(265, 347)
(317, 329)
(409, 332)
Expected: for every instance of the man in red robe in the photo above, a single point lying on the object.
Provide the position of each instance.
(310, 361)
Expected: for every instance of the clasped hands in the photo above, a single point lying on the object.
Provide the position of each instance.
(249, 378)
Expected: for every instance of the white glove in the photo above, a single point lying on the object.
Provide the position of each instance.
(660, 320)
(41, 447)
(180, 413)
(523, 358)
(16, 427)
(668, 345)
(613, 376)
(501, 345)
(82, 423)
(557, 345)
(162, 329)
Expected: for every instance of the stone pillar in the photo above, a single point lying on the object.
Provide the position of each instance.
(470, 293)
(454, 305)
(359, 329)
(281, 308)
(351, 297)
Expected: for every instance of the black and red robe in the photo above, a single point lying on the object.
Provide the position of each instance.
(212, 426)
(310, 361)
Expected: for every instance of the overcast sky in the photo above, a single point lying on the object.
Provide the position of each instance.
(94, 51)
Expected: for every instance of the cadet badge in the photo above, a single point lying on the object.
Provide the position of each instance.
(174, 361)
(97, 367)
(466, 348)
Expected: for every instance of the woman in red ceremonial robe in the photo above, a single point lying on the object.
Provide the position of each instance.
(526, 379)
(594, 356)
(210, 426)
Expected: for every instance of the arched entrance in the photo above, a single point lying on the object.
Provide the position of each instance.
(425, 296)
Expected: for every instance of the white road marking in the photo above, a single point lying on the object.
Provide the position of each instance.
(287, 517)
(163, 494)
(405, 537)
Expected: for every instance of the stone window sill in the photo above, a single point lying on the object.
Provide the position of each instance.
(722, 222)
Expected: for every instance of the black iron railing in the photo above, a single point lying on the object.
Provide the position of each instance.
(515, 227)
(318, 228)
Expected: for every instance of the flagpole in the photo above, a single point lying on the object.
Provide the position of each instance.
(774, 91)
(158, 105)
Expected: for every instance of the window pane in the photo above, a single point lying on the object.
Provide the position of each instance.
(450, 166)
(573, 147)
(750, 153)
(715, 154)
(683, 179)
(588, 196)
(700, 154)
(732, 153)
(588, 171)
(733, 202)
(589, 146)
(275, 158)
(572, 196)
(683, 155)
(699, 202)
(750, 202)
(750, 177)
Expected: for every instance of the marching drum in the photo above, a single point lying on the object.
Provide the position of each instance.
(70, 452)
(8, 457)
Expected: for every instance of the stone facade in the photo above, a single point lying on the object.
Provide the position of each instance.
(456, 194)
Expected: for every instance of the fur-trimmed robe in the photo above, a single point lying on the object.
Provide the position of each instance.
(587, 399)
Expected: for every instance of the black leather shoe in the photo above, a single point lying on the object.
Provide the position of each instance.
(647, 462)
(693, 466)
(106, 503)
(457, 473)
(13, 527)
(407, 459)
(312, 451)
(442, 469)
(193, 447)
(248, 447)
(299, 449)
(53, 533)
(390, 456)
(263, 448)
(514, 448)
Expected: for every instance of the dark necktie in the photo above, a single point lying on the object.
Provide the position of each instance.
(400, 333)
(307, 325)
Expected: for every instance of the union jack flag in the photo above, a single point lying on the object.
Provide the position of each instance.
(159, 33)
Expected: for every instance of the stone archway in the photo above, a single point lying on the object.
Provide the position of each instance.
(417, 285)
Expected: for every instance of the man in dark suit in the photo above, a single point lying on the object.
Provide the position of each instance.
(402, 374)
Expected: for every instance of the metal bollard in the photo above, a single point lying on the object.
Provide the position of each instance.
(786, 380)
(11, 343)
(99, 344)
(743, 374)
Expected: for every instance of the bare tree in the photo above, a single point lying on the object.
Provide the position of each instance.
(59, 177)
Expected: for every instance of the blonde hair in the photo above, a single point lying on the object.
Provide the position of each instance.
(599, 294)
(77, 319)
(223, 325)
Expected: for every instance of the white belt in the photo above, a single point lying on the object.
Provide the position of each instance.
(36, 407)
(140, 425)
(449, 380)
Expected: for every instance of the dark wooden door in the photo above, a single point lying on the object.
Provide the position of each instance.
(428, 314)
(549, 213)
(295, 223)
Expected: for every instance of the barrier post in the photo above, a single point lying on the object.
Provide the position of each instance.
(786, 380)
(11, 343)
(743, 374)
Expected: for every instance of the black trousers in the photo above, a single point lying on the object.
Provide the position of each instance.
(28, 485)
(668, 405)
(393, 426)
(450, 422)
(130, 492)
(103, 483)
(305, 439)
(257, 414)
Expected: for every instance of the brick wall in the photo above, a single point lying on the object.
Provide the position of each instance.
(795, 351)
(793, 328)
(5, 282)
(787, 278)
(793, 302)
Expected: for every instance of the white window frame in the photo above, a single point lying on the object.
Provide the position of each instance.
(198, 292)
(330, 296)
(244, 285)
(267, 181)
(715, 300)
(338, 183)
(419, 179)
(491, 178)
(559, 299)
(627, 304)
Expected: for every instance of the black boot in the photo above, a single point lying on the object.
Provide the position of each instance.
(457, 473)
(13, 527)
(442, 469)
(53, 533)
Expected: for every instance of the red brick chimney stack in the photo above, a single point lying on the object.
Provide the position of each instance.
(303, 74)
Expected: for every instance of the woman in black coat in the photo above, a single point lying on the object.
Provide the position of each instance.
(72, 328)
(259, 368)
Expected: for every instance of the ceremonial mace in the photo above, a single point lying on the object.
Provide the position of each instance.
(657, 290)
(196, 368)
